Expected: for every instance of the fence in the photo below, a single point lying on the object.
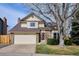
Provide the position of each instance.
(5, 39)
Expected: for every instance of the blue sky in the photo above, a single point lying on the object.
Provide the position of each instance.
(12, 12)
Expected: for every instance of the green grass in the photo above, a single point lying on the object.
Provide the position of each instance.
(56, 50)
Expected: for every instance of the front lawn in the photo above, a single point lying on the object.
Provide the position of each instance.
(56, 50)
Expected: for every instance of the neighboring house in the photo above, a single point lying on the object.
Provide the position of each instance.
(3, 26)
(32, 29)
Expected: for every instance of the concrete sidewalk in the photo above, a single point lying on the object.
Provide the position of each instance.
(22, 54)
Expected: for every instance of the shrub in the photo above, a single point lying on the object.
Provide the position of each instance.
(52, 41)
(75, 41)
(67, 41)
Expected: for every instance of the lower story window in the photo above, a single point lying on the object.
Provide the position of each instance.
(56, 35)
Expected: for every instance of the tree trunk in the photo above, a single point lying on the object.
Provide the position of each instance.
(61, 34)
(61, 39)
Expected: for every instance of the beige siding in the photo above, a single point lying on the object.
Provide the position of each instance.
(23, 25)
(53, 31)
(48, 34)
(26, 23)
(41, 25)
(37, 38)
(34, 18)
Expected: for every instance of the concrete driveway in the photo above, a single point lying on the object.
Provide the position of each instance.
(18, 50)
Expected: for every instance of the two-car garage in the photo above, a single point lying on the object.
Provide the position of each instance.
(24, 39)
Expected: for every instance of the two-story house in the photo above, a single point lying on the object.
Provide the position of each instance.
(3, 26)
(31, 29)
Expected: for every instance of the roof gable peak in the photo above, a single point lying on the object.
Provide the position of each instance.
(30, 14)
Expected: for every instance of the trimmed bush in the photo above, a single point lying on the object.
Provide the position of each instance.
(68, 42)
(75, 41)
(52, 41)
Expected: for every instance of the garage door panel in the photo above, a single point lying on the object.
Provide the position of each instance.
(25, 39)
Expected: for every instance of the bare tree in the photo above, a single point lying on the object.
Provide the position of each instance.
(61, 13)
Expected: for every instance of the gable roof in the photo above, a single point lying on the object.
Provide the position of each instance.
(18, 28)
(32, 13)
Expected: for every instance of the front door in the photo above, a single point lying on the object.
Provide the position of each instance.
(43, 36)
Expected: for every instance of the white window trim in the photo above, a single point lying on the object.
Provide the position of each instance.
(32, 23)
(28, 25)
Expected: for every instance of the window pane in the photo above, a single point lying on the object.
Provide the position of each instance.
(55, 35)
(32, 24)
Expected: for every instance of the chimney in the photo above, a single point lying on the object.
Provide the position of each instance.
(18, 20)
(5, 20)
(4, 25)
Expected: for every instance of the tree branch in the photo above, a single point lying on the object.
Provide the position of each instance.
(56, 14)
(73, 12)
(41, 12)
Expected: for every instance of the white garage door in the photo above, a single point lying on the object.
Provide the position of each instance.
(24, 39)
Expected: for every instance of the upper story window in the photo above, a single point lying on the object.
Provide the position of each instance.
(32, 24)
